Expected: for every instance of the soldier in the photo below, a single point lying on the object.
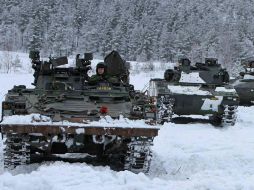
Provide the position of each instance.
(101, 75)
(36, 64)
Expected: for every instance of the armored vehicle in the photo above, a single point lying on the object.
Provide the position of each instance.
(65, 114)
(244, 85)
(201, 89)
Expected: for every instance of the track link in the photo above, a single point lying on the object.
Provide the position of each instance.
(139, 155)
(165, 106)
(229, 116)
(16, 151)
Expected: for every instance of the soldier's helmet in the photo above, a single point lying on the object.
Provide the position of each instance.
(101, 65)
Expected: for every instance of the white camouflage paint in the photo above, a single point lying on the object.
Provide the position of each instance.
(188, 90)
(248, 77)
(223, 89)
(212, 104)
(191, 78)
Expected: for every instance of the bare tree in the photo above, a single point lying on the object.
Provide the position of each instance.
(16, 64)
(7, 61)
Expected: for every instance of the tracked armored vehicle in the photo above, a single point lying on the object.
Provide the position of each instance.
(244, 85)
(201, 89)
(64, 115)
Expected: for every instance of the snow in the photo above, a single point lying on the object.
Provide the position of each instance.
(248, 77)
(141, 80)
(22, 57)
(105, 121)
(7, 81)
(194, 156)
(186, 157)
(207, 158)
(223, 89)
(191, 78)
(188, 90)
(191, 116)
(80, 131)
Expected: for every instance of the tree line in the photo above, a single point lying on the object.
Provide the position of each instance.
(140, 30)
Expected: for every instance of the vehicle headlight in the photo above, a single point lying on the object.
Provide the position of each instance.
(7, 105)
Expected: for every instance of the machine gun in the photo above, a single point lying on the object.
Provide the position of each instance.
(86, 61)
(44, 66)
(84, 65)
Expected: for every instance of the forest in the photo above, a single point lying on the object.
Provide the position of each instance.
(141, 30)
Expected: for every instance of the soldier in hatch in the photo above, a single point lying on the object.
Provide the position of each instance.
(101, 75)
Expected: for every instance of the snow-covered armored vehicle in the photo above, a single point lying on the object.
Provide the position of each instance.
(244, 85)
(65, 114)
(201, 89)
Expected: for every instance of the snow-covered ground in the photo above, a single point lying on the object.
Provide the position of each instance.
(186, 157)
